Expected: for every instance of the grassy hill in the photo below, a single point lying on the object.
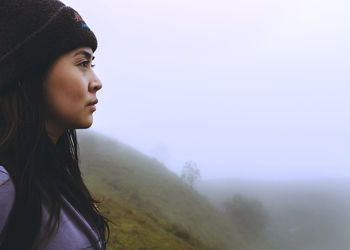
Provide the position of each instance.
(150, 205)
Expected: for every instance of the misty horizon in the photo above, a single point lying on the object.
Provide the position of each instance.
(256, 89)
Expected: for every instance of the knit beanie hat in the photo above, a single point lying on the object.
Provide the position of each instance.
(33, 33)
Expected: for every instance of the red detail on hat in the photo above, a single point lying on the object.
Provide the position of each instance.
(77, 17)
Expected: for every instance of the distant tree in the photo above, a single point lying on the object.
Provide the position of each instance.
(190, 173)
(249, 215)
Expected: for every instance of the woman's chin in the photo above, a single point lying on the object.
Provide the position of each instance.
(88, 125)
(85, 124)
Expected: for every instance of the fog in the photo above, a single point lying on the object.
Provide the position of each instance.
(251, 89)
(302, 215)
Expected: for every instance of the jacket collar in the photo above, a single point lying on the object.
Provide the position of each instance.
(92, 234)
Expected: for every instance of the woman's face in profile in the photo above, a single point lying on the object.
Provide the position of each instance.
(70, 87)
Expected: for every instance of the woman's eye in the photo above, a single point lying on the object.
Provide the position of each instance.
(85, 64)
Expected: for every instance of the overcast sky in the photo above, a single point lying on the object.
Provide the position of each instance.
(254, 88)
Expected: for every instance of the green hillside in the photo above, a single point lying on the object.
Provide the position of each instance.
(150, 206)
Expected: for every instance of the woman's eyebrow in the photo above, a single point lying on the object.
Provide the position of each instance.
(84, 53)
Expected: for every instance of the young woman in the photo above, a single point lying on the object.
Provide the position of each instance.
(47, 90)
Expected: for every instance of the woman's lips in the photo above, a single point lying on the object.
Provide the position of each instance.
(92, 107)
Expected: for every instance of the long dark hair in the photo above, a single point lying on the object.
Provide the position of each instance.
(38, 168)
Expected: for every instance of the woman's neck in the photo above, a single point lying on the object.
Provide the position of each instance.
(53, 132)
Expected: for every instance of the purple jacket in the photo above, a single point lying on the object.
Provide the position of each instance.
(73, 233)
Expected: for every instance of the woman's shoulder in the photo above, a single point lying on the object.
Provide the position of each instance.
(4, 177)
(5, 180)
(7, 196)
(3, 174)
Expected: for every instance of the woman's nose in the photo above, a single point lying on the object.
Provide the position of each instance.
(95, 84)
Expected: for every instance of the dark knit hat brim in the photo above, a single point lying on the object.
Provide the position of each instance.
(63, 32)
